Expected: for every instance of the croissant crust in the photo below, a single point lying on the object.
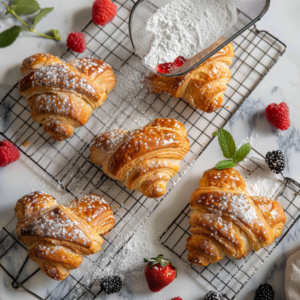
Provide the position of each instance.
(143, 159)
(203, 87)
(62, 96)
(226, 221)
(59, 237)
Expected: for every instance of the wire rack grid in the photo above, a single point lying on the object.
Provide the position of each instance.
(230, 276)
(129, 105)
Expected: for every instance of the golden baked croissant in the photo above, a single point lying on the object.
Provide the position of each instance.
(226, 221)
(203, 87)
(63, 96)
(58, 237)
(143, 159)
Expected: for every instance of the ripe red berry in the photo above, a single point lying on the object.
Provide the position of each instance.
(159, 273)
(179, 61)
(165, 68)
(170, 66)
(8, 153)
(278, 115)
(103, 12)
(76, 42)
(177, 298)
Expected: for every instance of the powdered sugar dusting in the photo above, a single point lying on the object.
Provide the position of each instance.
(58, 75)
(56, 104)
(237, 205)
(58, 225)
(186, 27)
(89, 206)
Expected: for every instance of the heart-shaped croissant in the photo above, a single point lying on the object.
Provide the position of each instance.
(226, 221)
(59, 237)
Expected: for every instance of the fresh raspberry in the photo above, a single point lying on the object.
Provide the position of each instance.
(278, 115)
(103, 12)
(8, 153)
(76, 42)
(177, 298)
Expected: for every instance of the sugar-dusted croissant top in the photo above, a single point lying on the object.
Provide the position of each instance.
(61, 95)
(59, 237)
(143, 159)
(203, 87)
(95, 211)
(225, 220)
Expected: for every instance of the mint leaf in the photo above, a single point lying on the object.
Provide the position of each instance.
(227, 143)
(25, 7)
(215, 134)
(242, 153)
(42, 13)
(56, 34)
(8, 36)
(225, 164)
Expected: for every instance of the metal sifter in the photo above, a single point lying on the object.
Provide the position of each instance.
(248, 12)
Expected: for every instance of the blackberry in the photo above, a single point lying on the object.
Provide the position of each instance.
(275, 161)
(111, 284)
(213, 296)
(264, 292)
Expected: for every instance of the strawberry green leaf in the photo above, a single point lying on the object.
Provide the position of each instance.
(56, 34)
(149, 260)
(225, 164)
(153, 264)
(25, 7)
(227, 143)
(164, 262)
(42, 13)
(8, 36)
(242, 152)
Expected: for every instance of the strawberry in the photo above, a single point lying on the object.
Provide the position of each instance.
(159, 273)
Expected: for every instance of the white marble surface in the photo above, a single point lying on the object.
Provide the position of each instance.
(281, 84)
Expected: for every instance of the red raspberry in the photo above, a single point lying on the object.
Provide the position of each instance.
(8, 153)
(278, 115)
(76, 42)
(177, 298)
(103, 12)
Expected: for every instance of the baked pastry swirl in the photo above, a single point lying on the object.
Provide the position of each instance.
(143, 159)
(226, 221)
(62, 96)
(59, 237)
(203, 87)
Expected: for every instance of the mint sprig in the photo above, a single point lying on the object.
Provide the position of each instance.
(55, 33)
(9, 36)
(42, 13)
(25, 7)
(230, 151)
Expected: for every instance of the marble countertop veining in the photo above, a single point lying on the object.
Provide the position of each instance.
(281, 84)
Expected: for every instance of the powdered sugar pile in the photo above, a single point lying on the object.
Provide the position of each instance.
(186, 27)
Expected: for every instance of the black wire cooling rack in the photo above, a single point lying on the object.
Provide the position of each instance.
(129, 105)
(230, 275)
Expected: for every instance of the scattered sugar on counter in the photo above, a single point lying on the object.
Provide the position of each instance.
(186, 27)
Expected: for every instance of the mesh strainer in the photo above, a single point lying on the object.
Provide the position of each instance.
(248, 11)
